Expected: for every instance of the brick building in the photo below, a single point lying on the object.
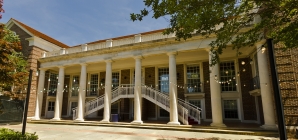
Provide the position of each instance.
(150, 76)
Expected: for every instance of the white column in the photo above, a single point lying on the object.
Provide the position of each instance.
(138, 91)
(39, 93)
(108, 94)
(59, 94)
(173, 89)
(266, 92)
(82, 92)
(216, 105)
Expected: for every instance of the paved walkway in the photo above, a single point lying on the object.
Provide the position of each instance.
(78, 132)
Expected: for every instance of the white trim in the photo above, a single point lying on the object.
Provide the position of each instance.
(11, 22)
(43, 44)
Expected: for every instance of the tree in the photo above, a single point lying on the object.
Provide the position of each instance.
(236, 23)
(12, 63)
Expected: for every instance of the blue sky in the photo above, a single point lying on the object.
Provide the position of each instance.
(76, 22)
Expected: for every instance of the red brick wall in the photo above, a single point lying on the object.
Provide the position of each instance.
(23, 35)
(207, 90)
(249, 105)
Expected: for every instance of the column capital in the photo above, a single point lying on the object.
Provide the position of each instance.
(172, 53)
(83, 64)
(61, 67)
(207, 49)
(260, 43)
(138, 57)
(108, 60)
(42, 69)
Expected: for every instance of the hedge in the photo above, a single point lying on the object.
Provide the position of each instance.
(9, 134)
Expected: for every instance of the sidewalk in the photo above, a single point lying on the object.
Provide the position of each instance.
(83, 132)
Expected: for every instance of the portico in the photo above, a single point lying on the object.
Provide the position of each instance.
(177, 71)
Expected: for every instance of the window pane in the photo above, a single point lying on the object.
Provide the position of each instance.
(163, 79)
(230, 109)
(93, 85)
(227, 76)
(53, 80)
(75, 85)
(193, 79)
(115, 79)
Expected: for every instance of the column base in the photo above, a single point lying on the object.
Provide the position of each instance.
(173, 123)
(104, 121)
(36, 118)
(79, 120)
(218, 125)
(55, 119)
(137, 122)
(269, 127)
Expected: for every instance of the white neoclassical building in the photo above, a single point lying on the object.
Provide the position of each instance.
(151, 76)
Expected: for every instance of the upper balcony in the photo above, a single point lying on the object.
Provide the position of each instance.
(113, 42)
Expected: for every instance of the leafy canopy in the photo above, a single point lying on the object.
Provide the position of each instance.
(12, 63)
(229, 20)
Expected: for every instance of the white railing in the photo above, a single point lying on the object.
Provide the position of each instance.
(97, 46)
(185, 109)
(94, 105)
(53, 53)
(73, 50)
(117, 42)
(155, 36)
(124, 41)
(193, 111)
(163, 101)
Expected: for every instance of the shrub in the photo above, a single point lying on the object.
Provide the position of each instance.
(9, 134)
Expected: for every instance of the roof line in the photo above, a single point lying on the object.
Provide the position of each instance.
(41, 35)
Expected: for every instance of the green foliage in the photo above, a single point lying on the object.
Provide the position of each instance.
(233, 23)
(9, 134)
(12, 63)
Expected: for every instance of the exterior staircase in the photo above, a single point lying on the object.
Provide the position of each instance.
(187, 113)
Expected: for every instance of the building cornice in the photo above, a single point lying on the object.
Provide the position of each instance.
(43, 44)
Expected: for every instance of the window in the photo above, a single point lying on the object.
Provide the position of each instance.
(51, 106)
(93, 85)
(75, 85)
(227, 76)
(53, 82)
(163, 80)
(72, 106)
(230, 109)
(193, 79)
(115, 79)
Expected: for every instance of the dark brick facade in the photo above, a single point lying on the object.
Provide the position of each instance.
(180, 80)
(125, 76)
(102, 76)
(147, 105)
(249, 105)
(45, 93)
(65, 95)
(207, 90)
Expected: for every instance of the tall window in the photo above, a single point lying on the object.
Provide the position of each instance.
(115, 79)
(53, 82)
(93, 87)
(75, 85)
(230, 109)
(163, 80)
(227, 76)
(193, 79)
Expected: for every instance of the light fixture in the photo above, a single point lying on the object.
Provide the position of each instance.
(243, 62)
(37, 73)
